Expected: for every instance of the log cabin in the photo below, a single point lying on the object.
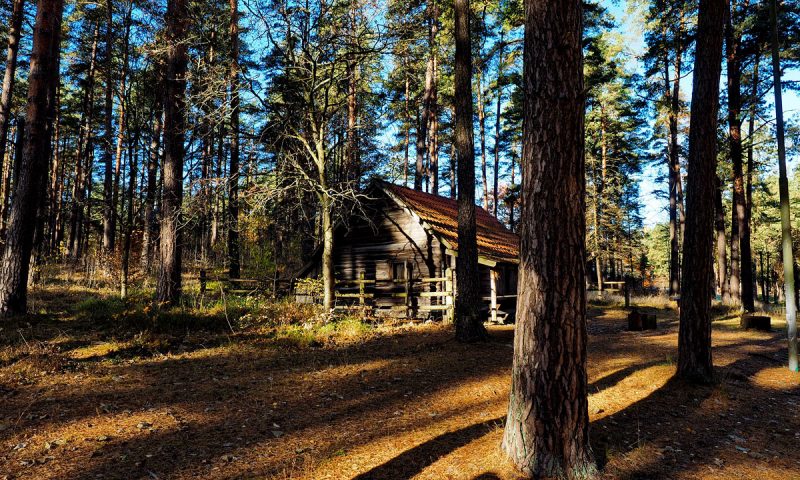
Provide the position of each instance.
(400, 258)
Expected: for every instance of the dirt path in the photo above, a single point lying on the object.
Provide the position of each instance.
(407, 402)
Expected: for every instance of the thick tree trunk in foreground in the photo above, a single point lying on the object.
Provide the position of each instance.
(30, 182)
(233, 172)
(547, 429)
(469, 327)
(694, 339)
(169, 280)
(8, 78)
(783, 187)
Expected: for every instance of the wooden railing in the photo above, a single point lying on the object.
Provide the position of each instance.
(426, 294)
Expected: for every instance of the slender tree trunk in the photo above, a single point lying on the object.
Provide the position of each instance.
(126, 247)
(408, 125)
(453, 161)
(422, 130)
(79, 185)
(433, 127)
(482, 136)
(511, 222)
(121, 127)
(150, 194)
(169, 281)
(673, 92)
(722, 245)
(108, 182)
(30, 182)
(469, 326)
(353, 167)
(497, 121)
(748, 211)
(14, 31)
(694, 338)
(233, 172)
(741, 269)
(783, 187)
(547, 428)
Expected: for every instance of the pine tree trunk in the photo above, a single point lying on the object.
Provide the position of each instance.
(741, 256)
(694, 338)
(108, 179)
(74, 242)
(469, 327)
(547, 429)
(787, 249)
(150, 195)
(169, 281)
(30, 182)
(722, 245)
(408, 127)
(233, 172)
(421, 173)
(497, 122)
(126, 246)
(15, 27)
(433, 127)
(675, 185)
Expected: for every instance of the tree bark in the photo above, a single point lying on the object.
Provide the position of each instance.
(108, 179)
(497, 121)
(547, 428)
(741, 255)
(722, 245)
(433, 120)
(675, 185)
(169, 281)
(15, 28)
(469, 327)
(150, 194)
(421, 173)
(122, 124)
(783, 187)
(233, 172)
(30, 182)
(694, 338)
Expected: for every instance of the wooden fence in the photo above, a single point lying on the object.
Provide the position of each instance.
(409, 297)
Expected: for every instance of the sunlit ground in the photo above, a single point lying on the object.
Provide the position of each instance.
(84, 398)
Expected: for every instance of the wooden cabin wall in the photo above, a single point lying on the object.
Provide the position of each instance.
(395, 237)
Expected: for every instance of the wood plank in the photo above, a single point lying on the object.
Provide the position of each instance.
(433, 307)
(433, 294)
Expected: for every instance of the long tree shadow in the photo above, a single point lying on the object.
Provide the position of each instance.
(416, 459)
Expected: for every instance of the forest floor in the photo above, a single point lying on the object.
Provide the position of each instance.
(87, 393)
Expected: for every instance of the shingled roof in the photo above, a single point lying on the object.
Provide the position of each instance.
(440, 215)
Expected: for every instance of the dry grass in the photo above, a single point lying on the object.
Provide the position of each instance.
(91, 390)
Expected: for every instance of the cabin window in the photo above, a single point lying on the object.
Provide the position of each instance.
(399, 270)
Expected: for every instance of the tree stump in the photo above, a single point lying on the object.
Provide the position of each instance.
(638, 321)
(757, 322)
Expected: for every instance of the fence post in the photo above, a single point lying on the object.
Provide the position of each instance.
(361, 288)
(493, 293)
(448, 288)
(202, 282)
